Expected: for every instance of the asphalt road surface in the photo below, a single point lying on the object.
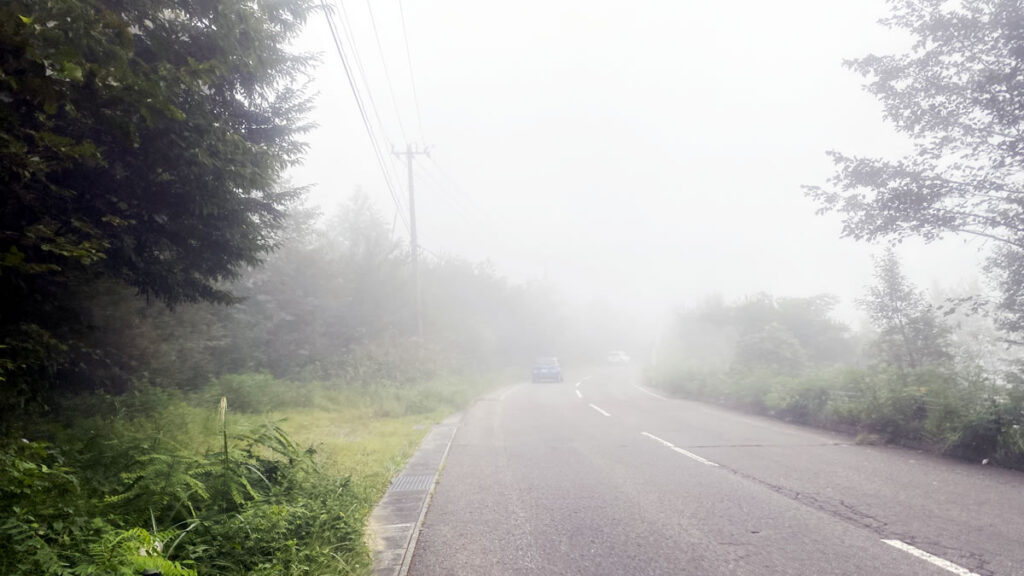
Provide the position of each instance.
(599, 476)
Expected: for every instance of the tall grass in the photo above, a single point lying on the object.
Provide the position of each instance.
(277, 482)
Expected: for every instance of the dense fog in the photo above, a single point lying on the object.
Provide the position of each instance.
(252, 252)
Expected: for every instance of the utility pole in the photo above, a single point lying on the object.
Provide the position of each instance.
(410, 153)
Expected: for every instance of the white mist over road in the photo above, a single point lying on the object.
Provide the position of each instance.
(636, 156)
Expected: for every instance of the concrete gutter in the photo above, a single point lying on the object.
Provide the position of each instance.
(395, 522)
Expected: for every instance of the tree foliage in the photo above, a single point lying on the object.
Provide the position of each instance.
(140, 141)
(770, 347)
(763, 332)
(333, 302)
(336, 301)
(958, 95)
(910, 333)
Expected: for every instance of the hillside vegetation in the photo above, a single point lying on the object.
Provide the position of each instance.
(935, 380)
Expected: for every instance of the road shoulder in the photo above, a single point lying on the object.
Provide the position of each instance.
(396, 520)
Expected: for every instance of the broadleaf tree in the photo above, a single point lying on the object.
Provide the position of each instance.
(141, 141)
(910, 333)
(958, 94)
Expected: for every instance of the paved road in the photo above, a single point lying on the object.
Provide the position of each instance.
(606, 478)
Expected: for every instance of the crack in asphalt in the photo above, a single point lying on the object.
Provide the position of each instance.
(848, 513)
(834, 508)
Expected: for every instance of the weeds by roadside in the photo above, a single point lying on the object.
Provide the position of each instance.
(940, 410)
(279, 484)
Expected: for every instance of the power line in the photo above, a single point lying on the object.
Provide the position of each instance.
(450, 198)
(362, 110)
(387, 75)
(451, 187)
(412, 75)
(369, 94)
(362, 71)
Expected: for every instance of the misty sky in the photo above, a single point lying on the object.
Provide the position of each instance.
(643, 154)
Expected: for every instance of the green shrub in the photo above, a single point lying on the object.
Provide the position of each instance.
(993, 431)
(957, 412)
(802, 401)
(53, 527)
(979, 435)
(259, 393)
(893, 409)
(157, 470)
(688, 383)
(246, 504)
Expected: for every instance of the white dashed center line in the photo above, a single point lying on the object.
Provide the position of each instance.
(578, 394)
(679, 450)
(599, 410)
(940, 562)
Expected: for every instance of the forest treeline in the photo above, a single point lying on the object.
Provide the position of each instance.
(334, 302)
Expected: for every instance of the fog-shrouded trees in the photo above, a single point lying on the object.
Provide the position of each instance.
(763, 332)
(910, 334)
(142, 143)
(957, 94)
(334, 302)
(331, 285)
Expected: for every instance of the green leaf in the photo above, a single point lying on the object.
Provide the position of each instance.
(71, 71)
(25, 19)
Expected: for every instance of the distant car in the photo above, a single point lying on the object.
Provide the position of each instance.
(618, 357)
(547, 369)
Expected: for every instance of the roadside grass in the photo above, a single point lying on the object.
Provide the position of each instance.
(369, 449)
(942, 411)
(365, 433)
(281, 483)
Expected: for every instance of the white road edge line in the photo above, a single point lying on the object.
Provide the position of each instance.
(646, 391)
(679, 450)
(689, 454)
(656, 439)
(940, 562)
(599, 410)
(578, 394)
(504, 394)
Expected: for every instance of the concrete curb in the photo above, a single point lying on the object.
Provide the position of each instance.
(395, 522)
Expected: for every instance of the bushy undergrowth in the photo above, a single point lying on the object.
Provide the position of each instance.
(958, 414)
(262, 393)
(157, 479)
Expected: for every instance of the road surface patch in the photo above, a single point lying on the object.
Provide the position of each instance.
(599, 410)
(679, 450)
(940, 562)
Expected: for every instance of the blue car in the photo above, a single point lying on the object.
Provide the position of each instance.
(547, 369)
